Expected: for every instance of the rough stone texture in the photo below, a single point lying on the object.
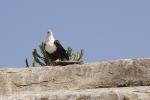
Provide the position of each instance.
(123, 93)
(117, 73)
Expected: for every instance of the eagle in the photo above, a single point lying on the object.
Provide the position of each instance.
(54, 49)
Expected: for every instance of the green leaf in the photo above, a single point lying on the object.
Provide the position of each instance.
(36, 58)
(26, 61)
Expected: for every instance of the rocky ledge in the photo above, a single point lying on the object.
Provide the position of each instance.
(94, 81)
(122, 93)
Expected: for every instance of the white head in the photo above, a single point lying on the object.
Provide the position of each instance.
(49, 33)
(50, 37)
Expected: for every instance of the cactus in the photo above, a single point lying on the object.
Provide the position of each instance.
(44, 60)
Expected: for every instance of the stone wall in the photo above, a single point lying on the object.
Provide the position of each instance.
(108, 80)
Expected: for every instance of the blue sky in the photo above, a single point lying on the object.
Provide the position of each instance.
(105, 29)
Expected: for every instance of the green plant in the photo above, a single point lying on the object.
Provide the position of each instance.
(74, 56)
(27, 63)
(44, 60)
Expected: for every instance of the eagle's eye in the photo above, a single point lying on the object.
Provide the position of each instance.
(49, 33)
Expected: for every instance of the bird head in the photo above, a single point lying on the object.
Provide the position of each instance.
(50, 36)
(49, 33)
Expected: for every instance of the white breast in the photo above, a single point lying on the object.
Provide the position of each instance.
(50, 48)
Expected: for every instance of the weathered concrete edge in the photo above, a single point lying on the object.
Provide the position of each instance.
(123, 93)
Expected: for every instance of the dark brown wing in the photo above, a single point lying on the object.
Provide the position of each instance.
(62, 52)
